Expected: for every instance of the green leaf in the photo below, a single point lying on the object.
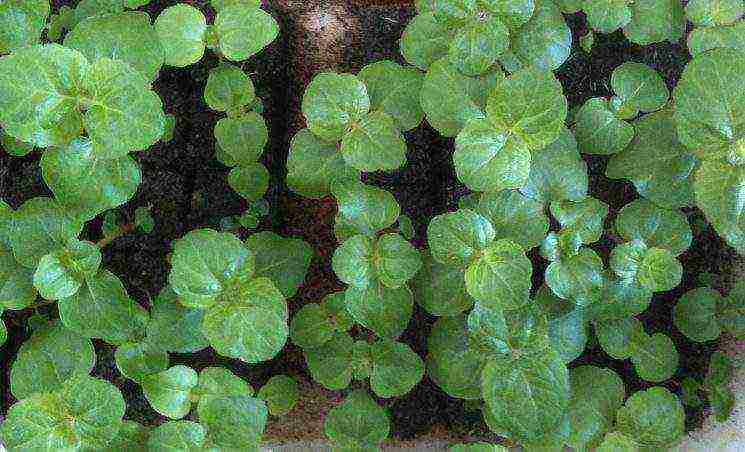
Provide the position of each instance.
(332, 103)
(455, 238)
(596, 395)
(695, 314)
(249, 323)
(529, 104)
(721, 370)
(583, 218)
(655, 226)
(514, 13)
(216, 382)
(174, 327)
(132, 437)
(181, 29)
(638, 88)
(655, 358)
(39, 94)
(228, 88)
(447, 100)
(660, 167)
(545, 42)
(731, 311)
(244, 30)
(283, 260)
(515, 217)
(121, 100)
(169, 391)
(577, 278)
(3, 332)
(242, 138)
(451, 362)
(373, 142)
(723, 402)
(250, 181)
(690, 388)
(500, 276)
(570, 6)
(587, 41)
(607, 16)
(653, 417)
(620, 338)
(138, 360)
(126, 36)
(453, 12)
(219, 5)
(311, 326)
(476, 46)
(617, 442)
(368, 209)
(60, 274)
(203, 264)
(83, 414)
(15, 147)
(490, 159)
(520, 332)
(86, 184)
(313, 165)
(17, 289)
(234, 422)
(441, 289)
(384, 310)
(102, 309)
(477, 447)
(330, 364)
(424, 41)
(395, 260)
(655, 21)
(707, 104)
(703, 39)
(719, 188)
(394, 89)
(599, 131)
(708, 13)
(396, 369)
(567, 325)
(557, 172)
(659, 270)
(21, 23)
(176, 435)
(358, 423)
(280, 394)
(529, 395)
(50, 357)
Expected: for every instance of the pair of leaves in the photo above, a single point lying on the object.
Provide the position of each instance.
(240, 31)
(651, 268)
(389, 258)
(364, 209)
(358, 423)
(597, 394)
(702, 314)
(642, 23)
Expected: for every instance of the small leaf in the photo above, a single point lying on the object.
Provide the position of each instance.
(332, 102)
(173, 326)
(424, 41)
(242, 138)
(653, 417)
(284, 260)
(396, 261)
(731, 311)
(244, 30)
(656, 358)
(228, 88)
(60, 274)
(617, 442)
(584, 218)
(557, 172)
(695, 314)
(176, 435)
(182, 30)
(280, 394)
(638, 88)
(250, 181)
(384, 310)
(577, 278)
(373, 143)
(396, 369)
(394, 89)
(17, 289)
(599, 131)
(455, 238)
(169, 391)
(137, 361)
(689, 392)
(441, 289)
(358, 423)
(368, 209)
(500, 276)
(659, 270)
(514, 13)
(451, 363)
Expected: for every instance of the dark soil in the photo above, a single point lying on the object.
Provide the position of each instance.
(187, 189)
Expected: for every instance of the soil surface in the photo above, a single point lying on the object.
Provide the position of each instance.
(186, 188)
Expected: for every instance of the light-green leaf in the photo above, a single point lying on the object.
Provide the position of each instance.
(620, 338)
(396, 369)
(638, 88)
(284, 260)
(659, 270)
(731, 311)
(374, 143)
(455, 238)
(655, 21)
(313, 165)
(139, 360)
(169, 391)
(60, 274)
(181, 29)
(234, 422)
(243, 30)
(596, 395)
(330, 364)
(175, 327)
(545, 41)
(441, 289)
(477, 46)
(599, 131)
(708, 13)
(395, 90)
(424, 41)
(332, 102)
(583, 218)
(706, 38)
(249, 181)
(242, 138)
(384, 310)
(366, 208)
(216, 382)
(719, 189)
(607, 16)
(695, 314)
(653, 417)
(176, 435)
(358, 423)
(515, 217)
(501, 276)
(228, 88)
(655, 358)
(21, 23)
(280, 394)
(655, 226)
(451, 362)
(17, 289)
(577, 278)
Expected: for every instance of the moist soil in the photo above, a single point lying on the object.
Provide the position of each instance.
(186, 188)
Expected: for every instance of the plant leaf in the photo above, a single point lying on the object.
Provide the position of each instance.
(583, 218)
(284, 260)
(366, 208)
(332, 102)
(638, 88)
(599, 131)
(175, 327)
(280, 394)
(21, 23)
(394, 89)
(396, 369)
(244, 30)
(501, 276)
(695, 314)
(330, 364)
(243, 138)
(358, 423)
(424, 41)
(168, 391)
(139, 360)
(477, 45)
(455, 238)
(719, 186)
(384, 310)
(176, 435)
(451, 363)
(250, 181)
(441, 289)
(515, 217)
(656, 358)
(597, 394)
(655, 21)
(181, 29)
(653, 417)
(313, 165)
(373, 143)
(228, 88)
(577, 278)
(731, 311)
(60, 274)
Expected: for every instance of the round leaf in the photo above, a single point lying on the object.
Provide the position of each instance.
(137, 361)
(60, 274)
(242, 138)
(456, 237)
(731, 311)
(703, 39)
(21, 23)
(659, 270)
(176, 435)
(332, 102)
(374, 143)
(514, 13)
(607, 16)
(284, 260)
(243, 30)
(396, 369)
(515, 217)
(17, 289)
(638, 88)
(708, 13)
(251, 181)
(596, 395)
(620, 338)
(583, 218)
(169, 391)
(366, 208)
(395, 260)
(451, 363)
(655, 21)
(234, 422)
(394, 89)
(653, 417)
(384, 310)
(656, 358)
(216, 382)
(545, 42)
(719, 188)
(280, 394)
(175, 327)
(476, 46)
(358, 423)
(441, 289)
(330, 364)
(311, 326)
(695, 314)
(501, 276)
(655, 226)
(228, 88)
(599, 131)
(181, 29)
(313, 165)
(577, 278)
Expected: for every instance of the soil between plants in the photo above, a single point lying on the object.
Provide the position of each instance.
(186, 188)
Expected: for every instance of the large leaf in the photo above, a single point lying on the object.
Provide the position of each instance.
(126, 36)
(313, 165)
(284, 260)
(660, 167)
(498, 333)
(84, 413)
(452, 363)
(330, 364)
(501, 276)
(655, 358)
(102, 309)
(394, 89)
(21, 23)
(396, 369)
(243, 30)
(531, 105)
(60, 274)
(529, 395)
(120, 101)
(708, 13)
(557, 172)
(655, 226)
(441, 289)
(515, 217)
(490, 159)
(545, 41)
(709, 110)
(457, 237)
(368, 209)
(243, 138)
(638, 88)
(50, 357)
(424, 41)
(719, 188)
(175, 327)
(607, 16)
(39, 94)
(176, 435)
(654, 21)
(653, 417)
(181, 29)
(358, 423)
(228, 88)
(599, 131)
(17, 289)
(204, 262)
(234, 422)
(384, 310)
(577, 278)
(86, 184)
(374, 143)
(659, 270)
(476, 46)
(169, 391)
(596, 395)
(249, 323)
(332, 102)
